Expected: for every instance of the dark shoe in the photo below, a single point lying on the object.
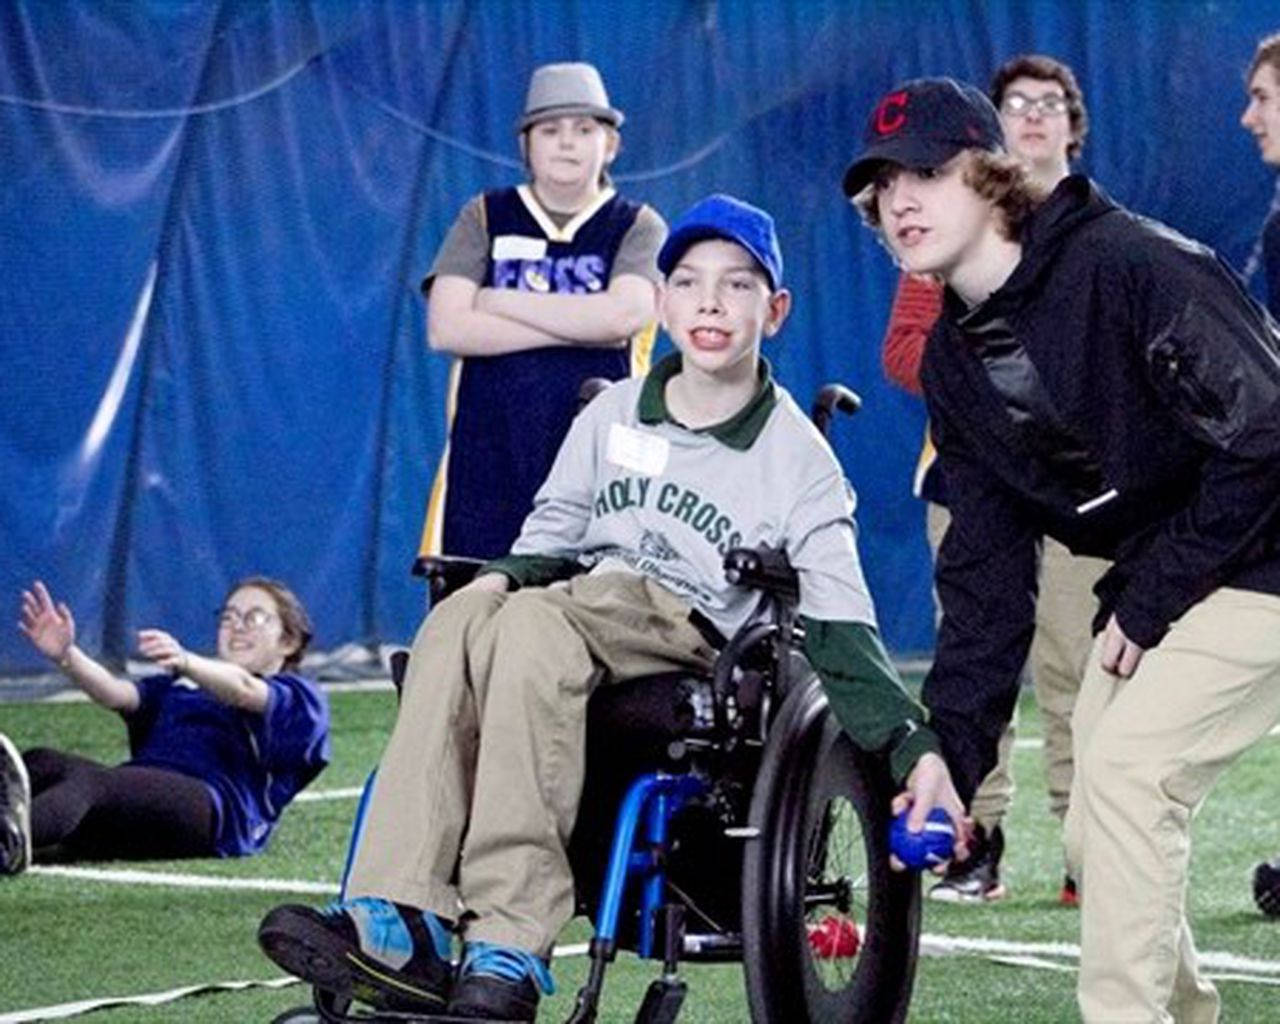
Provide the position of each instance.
(499, 983)
(378, 952)
(1069, 896)
(1266, 887)
(15, 810)
(976, 880)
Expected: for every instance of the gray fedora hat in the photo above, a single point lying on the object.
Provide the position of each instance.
(567, 90)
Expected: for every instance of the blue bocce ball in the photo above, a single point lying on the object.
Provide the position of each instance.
(931, 846)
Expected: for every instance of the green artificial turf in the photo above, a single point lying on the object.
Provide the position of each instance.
(64, 939)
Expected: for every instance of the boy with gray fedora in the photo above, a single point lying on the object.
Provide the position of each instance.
(535, 289)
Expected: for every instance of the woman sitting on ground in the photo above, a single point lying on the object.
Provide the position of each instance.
(218, 745)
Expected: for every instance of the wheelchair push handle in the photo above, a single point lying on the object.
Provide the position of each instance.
(833, 398)
(764, 569)
(589, 388)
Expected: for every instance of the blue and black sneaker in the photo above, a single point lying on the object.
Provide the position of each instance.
(499, 983)
(15, 810)
(383, 954)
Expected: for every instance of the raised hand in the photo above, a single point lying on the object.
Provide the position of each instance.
(51, 628)
(158, 646)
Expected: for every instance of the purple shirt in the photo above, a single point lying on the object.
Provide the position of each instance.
(252, 763)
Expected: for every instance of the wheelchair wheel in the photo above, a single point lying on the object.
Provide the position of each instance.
(830, 933)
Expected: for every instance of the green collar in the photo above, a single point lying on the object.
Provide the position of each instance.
(739, 431)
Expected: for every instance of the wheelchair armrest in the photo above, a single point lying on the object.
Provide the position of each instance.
(446, 573)
(765, 569)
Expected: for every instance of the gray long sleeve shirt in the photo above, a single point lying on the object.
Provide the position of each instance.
(633, 490)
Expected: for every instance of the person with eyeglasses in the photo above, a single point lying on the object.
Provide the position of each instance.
(219, 745)
(1044, 120)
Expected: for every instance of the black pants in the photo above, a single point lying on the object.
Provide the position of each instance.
(83, 810)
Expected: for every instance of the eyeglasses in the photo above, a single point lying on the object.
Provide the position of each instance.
(1018, 104)
(254, 619)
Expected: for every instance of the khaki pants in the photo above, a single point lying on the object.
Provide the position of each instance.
(1147, 751)
(1059, 651)
(476, 795)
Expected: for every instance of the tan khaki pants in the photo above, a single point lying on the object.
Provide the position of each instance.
(1147, 751)
(476, 795)
(1059, 653)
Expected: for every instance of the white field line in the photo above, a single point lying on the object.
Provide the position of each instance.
(129, 876)
(308, 796)
(1032, 955)
(939, 945)
(64, 1010)
(932, 945)
(375, 685)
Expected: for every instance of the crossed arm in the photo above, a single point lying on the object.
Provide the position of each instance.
(467, 320)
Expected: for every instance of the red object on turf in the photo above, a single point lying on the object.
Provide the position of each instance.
(1069, 897)
(834, 936)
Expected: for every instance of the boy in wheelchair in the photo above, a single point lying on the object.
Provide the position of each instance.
(616, 573)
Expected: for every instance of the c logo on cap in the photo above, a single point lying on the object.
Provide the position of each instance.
(891, 114)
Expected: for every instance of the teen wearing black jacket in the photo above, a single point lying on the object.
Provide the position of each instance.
(1097, 378)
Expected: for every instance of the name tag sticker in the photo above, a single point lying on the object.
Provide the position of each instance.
(637, 451)
(519, 247)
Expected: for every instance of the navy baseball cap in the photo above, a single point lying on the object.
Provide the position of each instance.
(924, 123)
(723, 216)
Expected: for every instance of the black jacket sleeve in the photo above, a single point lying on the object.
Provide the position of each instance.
(986, 580)
(1211, 355)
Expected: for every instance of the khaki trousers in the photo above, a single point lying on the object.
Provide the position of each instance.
(1147, 751)
(476, 795)
(1059, 653)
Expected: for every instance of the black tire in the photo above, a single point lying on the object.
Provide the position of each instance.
(822, 851)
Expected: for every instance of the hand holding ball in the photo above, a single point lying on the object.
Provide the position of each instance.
(932, 845)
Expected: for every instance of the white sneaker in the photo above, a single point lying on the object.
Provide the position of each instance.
(15, 810)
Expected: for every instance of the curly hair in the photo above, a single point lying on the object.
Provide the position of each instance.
(996, 177)
(1046, 69)
(294, 621)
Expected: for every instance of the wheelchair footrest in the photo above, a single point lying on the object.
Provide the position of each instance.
(662, 1001)
(330, 1009)
(397, 1017)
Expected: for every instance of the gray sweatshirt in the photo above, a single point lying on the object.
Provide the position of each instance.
(632, 490)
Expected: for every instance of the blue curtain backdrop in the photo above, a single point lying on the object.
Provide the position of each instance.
(214, 216)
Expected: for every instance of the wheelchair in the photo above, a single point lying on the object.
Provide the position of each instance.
(748, 827)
